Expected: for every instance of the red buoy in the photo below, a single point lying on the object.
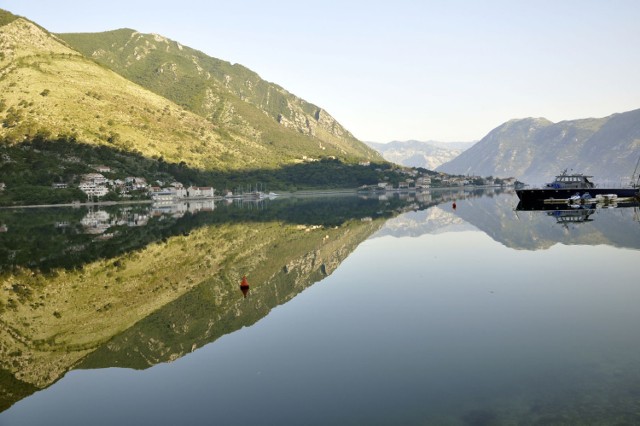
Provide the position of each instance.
(244, 282)
(244, 286)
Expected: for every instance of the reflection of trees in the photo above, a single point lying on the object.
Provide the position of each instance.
(175, 282)
(38, 240)
(155, 292)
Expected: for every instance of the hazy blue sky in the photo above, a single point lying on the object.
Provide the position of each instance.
(402, 69)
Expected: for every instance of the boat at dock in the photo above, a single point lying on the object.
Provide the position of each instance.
(572, 187)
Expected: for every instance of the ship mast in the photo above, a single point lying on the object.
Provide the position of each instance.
(635, 179)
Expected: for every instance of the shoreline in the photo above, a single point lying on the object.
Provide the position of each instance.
(304, 193)
(285, 194)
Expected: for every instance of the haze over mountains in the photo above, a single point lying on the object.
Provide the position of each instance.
(428, 155)
(535, 149)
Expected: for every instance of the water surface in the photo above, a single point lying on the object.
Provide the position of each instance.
(399, 313)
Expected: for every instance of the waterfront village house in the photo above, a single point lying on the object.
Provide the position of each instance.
(102, 169)
(57, 185)
(2, 186)
(94, 185)
(92, 189)
(403, 185)
(136, 182)
(167, 194)
(423, 182)
(96, 178)
(200, 192)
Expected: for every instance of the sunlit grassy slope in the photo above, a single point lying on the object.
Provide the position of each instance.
(217, 90)
(48, 88)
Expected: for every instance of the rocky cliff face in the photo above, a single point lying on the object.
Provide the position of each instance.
(535, 149)
(215, 88)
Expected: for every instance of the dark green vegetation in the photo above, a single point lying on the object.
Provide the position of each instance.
(13, 389)
(31, 168)
(202, 121)
(6, 17)
(48, 239)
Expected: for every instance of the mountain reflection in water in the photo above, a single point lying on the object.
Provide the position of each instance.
(134, 285)
(144, 287)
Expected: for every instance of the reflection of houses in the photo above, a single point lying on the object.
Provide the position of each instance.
(95, 222)
(171, 209)
(178, 209)
(137, 219)
(201, 205)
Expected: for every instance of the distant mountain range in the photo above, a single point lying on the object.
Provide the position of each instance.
(428, 155)
(535, 149)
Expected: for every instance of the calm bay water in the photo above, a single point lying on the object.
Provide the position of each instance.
(377, 312)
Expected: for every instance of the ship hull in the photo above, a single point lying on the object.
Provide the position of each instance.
(541, 194)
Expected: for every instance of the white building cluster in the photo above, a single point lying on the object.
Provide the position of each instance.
(177, 191)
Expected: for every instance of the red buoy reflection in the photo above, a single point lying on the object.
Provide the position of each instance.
(244, 286)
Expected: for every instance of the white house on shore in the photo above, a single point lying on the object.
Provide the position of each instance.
(96, 178)
(92, 189)
(176, 192)
(200, 192)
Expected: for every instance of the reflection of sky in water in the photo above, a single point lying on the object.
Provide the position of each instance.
(450, 328)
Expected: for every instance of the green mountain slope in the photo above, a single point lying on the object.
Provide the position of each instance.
(218, 90)
(50, 90)
(535, 150)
